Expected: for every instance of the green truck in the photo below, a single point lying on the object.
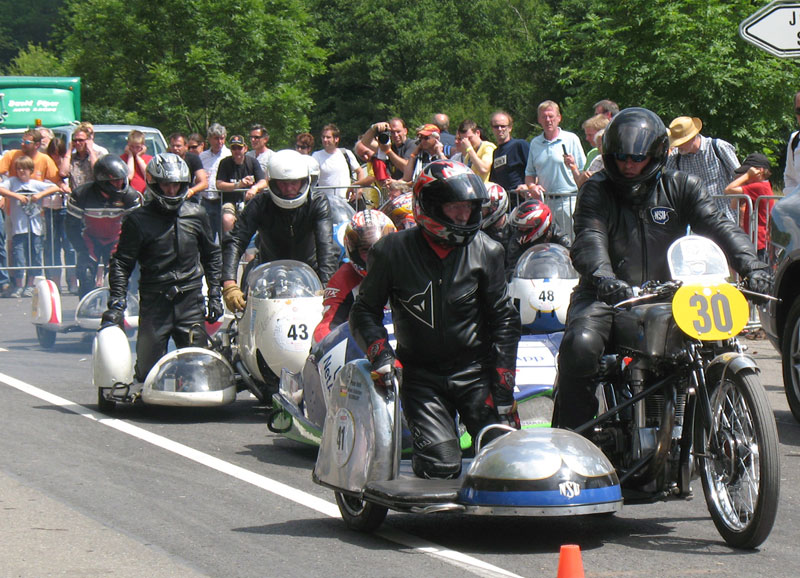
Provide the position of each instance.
(30, 101)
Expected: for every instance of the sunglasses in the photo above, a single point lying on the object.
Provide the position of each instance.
(302, 147)
(27, 142)
(79, 140)
(256, 136)
(193, 147)
(622, 157)
(423, 137)
(499, 126)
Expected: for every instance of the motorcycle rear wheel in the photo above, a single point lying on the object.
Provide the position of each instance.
(360, 515)
(741, 481)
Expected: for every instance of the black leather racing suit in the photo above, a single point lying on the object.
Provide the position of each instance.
(614, 238)
(174, 250)
(454, 323)
(93, 225)
(303, 234)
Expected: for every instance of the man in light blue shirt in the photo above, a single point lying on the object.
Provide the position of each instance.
(547, 175)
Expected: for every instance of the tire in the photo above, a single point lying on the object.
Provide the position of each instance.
(790, 358)
(47, 338)
(741, 482)
(360, 515)
(103, 404)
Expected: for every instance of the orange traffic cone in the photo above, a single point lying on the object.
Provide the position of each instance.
(570, 564)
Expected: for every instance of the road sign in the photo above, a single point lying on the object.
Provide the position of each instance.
(775, 28)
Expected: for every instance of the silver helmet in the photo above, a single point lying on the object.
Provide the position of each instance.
(167, 168)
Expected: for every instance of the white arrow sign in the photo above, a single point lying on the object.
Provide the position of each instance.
(775, 28)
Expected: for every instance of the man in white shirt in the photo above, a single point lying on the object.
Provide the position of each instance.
(791, 175)
(259, 138)
(210, 198)
(337, 167)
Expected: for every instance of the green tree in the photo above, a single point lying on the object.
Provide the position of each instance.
(416, 58)
(35, 60)
(185, 64)
(676, 58)
(31, 22)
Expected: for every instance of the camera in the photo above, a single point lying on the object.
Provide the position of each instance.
(384, 137)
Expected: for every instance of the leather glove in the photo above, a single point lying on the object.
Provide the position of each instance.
(214, 309)
(760, 281)
(501, 397)
(382, 358)
(234, 298)
(114, 315)
(613, 290)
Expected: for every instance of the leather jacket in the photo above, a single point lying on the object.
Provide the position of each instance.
(174, 250)
(615, 238)
(447, 313)
(303, 234)
(95, 218)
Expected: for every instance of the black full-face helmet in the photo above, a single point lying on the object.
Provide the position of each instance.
(638, 133)
(110, 168)
(168, 168)
(443, 182)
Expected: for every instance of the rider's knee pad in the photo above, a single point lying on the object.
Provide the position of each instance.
(442, 460)
(580, 352)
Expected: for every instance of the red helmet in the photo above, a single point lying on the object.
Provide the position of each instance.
(363, 230)
(496, 206)
(532, 219)
(442, 182)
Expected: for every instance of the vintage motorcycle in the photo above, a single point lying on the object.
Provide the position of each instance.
(679, 398)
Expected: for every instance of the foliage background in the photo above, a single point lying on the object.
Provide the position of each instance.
(295, 65)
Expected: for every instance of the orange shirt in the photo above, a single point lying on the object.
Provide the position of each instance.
(44, 169)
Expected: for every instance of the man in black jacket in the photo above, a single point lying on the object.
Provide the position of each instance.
(457, 330)
(172, 242)
(626, 218)
(291, 224)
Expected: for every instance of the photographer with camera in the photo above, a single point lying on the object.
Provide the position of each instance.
(393, 144)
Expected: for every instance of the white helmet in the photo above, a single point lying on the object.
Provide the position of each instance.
(288, 165)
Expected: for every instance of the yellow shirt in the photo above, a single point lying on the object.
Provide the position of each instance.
(485, 153)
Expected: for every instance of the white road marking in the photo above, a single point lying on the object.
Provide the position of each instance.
(322, 506)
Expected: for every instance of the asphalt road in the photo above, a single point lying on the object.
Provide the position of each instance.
(166, 492)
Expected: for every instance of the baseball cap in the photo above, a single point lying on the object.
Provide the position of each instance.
(428, 129)
(757, 160)
(237, 140)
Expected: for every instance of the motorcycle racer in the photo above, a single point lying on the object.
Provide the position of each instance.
(362, 232)
(95, 211)
(456, 328)
(627, 217)
(171, 240)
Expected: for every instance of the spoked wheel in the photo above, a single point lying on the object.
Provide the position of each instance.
(47, 338)
(741, 480)
(360, 515)
(790, 358)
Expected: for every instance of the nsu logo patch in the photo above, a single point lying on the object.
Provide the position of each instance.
(569, 489)
(660, 215)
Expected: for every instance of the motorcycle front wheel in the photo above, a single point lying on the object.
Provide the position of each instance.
(360, 515)
(741, 479)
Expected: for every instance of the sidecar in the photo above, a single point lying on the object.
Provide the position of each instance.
(188, 377)
(284, 304)
(49, 320)
(301, 402)
(533, 472)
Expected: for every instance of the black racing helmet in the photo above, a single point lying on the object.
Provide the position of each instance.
(637, 132)
(443, 182)
(110, 168)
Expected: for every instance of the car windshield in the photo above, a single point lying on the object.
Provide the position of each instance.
(115, 142)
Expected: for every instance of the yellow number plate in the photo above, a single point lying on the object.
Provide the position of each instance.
(710, 313)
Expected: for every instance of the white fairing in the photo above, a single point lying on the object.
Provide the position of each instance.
(190, 377)
(112, 361)
(696, 259)
(542, 286)
(46, 302)
(284, 305)
(95, 302)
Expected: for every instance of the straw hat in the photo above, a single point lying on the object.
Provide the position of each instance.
(683, 129)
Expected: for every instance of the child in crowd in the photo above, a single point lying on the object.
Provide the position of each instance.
(23, 194)
(753, 181)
